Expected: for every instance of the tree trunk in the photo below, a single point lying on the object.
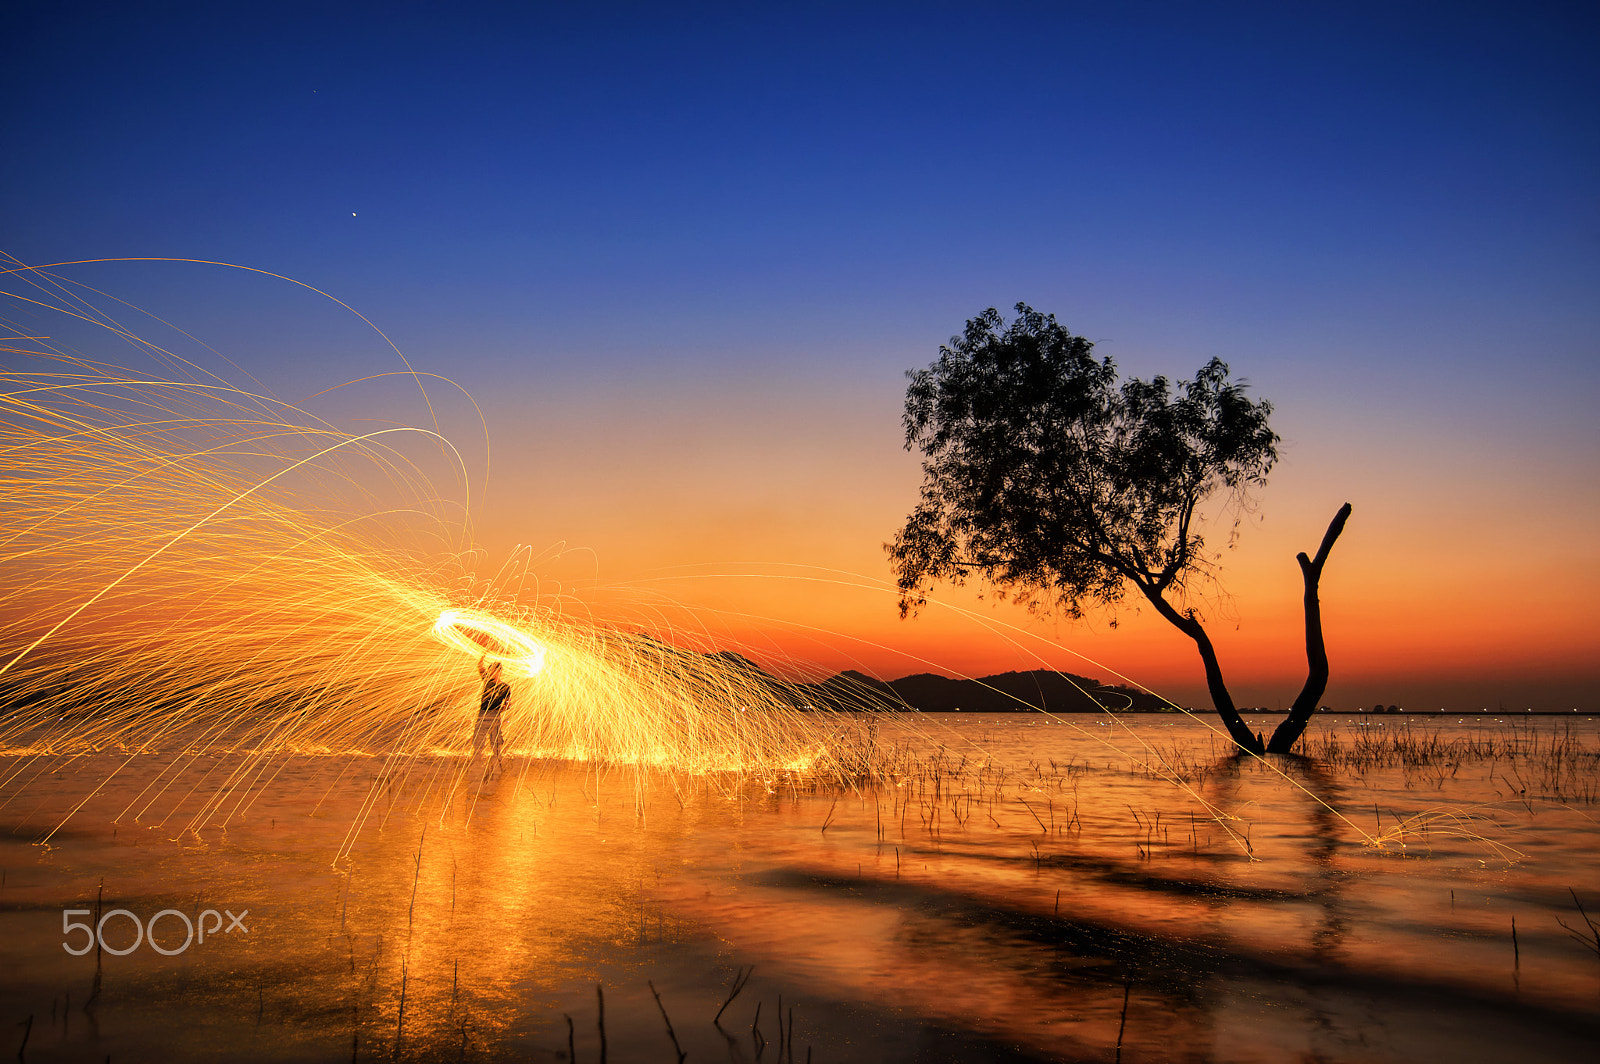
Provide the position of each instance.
(1186, 623)
(1294, 725)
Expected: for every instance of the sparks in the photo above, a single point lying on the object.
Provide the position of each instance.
(480, 634)
(189, 567)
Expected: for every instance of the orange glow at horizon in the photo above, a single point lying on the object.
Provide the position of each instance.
(748, 512)
(1418, 590)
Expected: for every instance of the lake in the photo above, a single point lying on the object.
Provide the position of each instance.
(1021, 888)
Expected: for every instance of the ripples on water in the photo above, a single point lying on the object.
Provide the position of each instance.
(1072, 889)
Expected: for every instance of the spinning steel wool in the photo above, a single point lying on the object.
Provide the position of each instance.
(188, 566)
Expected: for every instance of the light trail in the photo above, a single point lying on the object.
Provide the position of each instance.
(479, 633)
(187, 567)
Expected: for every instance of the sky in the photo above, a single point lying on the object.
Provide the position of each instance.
(683, 257)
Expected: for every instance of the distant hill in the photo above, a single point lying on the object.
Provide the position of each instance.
(926, 692)
(1007, 692)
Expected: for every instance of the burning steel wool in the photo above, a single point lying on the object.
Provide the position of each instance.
(188, 567)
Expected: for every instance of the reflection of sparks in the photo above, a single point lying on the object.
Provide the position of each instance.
(479, 633)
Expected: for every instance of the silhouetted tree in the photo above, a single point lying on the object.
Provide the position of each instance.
(1050, 482)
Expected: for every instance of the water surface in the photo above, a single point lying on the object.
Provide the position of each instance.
(1072, 888)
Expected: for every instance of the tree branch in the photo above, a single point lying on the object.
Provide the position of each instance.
(1294, 725)
(1186, 623)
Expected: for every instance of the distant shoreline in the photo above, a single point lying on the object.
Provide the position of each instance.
(1272, 712)
(1053, 692)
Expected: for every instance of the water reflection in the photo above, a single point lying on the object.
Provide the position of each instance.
(1028, 892)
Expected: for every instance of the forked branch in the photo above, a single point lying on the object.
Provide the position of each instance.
(1294, 725)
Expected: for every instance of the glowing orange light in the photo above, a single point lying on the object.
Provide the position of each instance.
(517, 651)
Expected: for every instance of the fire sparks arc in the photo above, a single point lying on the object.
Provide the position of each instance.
(482, 635)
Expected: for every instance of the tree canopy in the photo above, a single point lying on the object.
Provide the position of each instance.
(1051, 481)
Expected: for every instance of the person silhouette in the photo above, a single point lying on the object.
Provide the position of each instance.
(496, 696)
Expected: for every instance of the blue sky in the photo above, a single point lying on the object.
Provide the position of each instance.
(1383, 215)
(746, 166)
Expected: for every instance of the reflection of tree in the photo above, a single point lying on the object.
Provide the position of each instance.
(1322, 794)
(1319, 794)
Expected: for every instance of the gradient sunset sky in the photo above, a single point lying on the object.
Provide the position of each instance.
(683, 258)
